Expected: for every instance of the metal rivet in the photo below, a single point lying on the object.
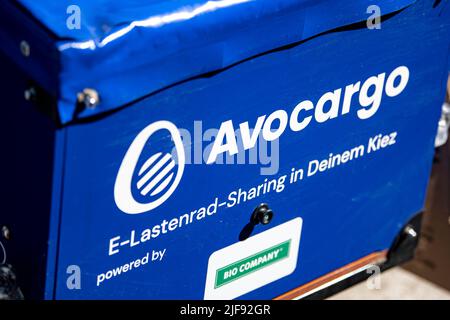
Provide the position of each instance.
(262, 214)
(266, 218)
(89, 98)
(30, 94)
(411, 232)
(25, 48)
(6, 233)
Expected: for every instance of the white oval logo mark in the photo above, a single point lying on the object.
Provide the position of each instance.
(157, 177)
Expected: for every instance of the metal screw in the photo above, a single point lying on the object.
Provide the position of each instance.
(25, 48)
(89, 98)
(262, 214)
(6, 233)
(30, 94)
(267, 217)
(410, 231)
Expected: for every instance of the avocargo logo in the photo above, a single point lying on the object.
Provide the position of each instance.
(160, 174)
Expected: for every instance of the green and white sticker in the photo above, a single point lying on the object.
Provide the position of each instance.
(253, 263)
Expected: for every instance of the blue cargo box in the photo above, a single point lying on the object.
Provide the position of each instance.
(228, 149)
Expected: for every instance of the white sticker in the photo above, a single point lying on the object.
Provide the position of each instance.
(253, 263)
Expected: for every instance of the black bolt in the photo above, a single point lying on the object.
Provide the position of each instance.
(262, 214)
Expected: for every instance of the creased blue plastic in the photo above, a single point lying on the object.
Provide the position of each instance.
(130, 49)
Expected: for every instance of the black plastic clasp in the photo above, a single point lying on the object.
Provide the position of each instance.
(262, 214)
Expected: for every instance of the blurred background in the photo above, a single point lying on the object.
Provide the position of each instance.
(428, 275)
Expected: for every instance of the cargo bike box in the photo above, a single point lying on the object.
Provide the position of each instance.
(227, 149)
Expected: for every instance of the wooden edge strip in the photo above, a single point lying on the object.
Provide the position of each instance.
(374, 258)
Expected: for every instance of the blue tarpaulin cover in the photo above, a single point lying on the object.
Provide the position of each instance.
(129, 49)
